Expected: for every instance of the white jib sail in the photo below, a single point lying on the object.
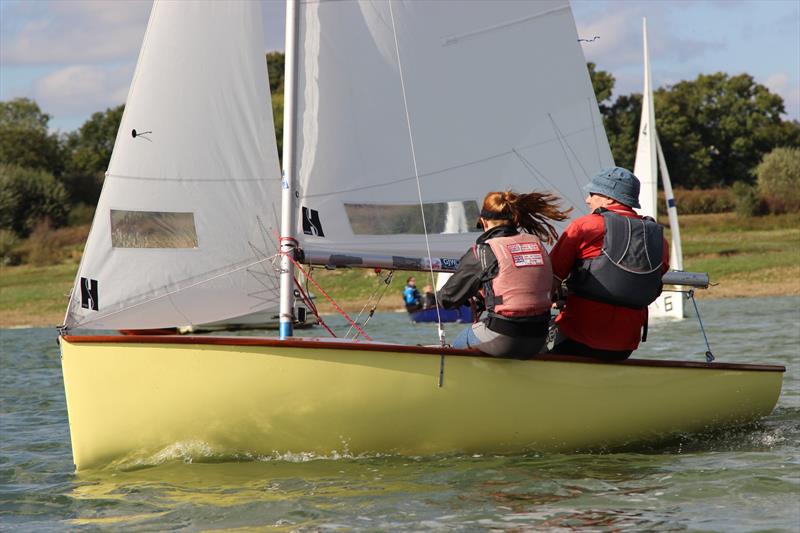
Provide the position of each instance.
(187, 215)
(649, 157)
(498, 97)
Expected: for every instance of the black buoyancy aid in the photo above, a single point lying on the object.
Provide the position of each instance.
(628, 270)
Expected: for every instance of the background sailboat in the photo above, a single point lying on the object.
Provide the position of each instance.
(649, 159)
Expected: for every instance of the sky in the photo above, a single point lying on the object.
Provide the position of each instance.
(75, 57)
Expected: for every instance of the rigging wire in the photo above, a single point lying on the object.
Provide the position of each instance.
(327, 297)
(594, 132)
(307, 300)
(382, 287)
(709, 355)
(416, 171)
(537, 174)
(563, 149)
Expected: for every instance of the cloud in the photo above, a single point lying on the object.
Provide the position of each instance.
(620, 43)
(83, 89)
(619, 26)
(72, 31)
(788, 89)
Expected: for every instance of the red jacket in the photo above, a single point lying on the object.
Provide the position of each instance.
(596, 324)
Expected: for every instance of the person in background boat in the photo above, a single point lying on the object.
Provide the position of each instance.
(411, 296)
(605, 312)
(428, 297)
(510, 271)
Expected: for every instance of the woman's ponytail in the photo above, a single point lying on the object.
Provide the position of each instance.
(530, 212)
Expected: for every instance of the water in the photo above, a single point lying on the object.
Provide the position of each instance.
(745, 479)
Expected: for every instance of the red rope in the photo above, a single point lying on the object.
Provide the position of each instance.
(325, 294)
(313, 307)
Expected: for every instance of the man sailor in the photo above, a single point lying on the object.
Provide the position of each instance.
(411, 296)
(612, 261)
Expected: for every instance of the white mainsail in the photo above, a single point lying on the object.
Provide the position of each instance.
(493, 95)
(649, 158)
(189, 207)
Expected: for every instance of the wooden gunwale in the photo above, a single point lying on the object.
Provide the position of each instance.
(396, 348)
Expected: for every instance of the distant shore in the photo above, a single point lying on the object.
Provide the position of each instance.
(742, 288)
(744, 257)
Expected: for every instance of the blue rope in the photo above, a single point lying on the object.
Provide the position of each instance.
(709, 355)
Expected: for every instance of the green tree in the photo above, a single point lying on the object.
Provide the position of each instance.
(275, 69)
(603, 85)
(621, 120)
(88, 152)
(24, 139)
(716, 128)
(778, 177)
(28, 196)
(277, 117)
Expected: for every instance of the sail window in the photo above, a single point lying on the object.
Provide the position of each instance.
(393, 219)
(152, 229)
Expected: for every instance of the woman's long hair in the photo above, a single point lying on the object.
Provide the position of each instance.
(530, 212)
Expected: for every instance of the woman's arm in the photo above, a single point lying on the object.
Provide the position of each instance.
(463, 284)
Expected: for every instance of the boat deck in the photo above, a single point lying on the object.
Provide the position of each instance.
(375, 346)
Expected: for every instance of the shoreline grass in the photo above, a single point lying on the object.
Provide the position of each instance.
(757, 256)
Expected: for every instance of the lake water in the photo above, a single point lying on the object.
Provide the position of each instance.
(746, 479)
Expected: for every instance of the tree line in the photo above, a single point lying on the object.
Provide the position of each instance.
(715, 130)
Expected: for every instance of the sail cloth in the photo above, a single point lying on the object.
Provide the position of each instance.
(645, 166)
(498, 97)
(190, 203)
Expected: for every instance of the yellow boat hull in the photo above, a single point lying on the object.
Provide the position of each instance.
(263, 397)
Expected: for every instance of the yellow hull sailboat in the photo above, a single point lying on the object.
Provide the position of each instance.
(238, 395)
(383, 107)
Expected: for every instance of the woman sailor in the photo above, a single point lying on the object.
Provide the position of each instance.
(510, 270)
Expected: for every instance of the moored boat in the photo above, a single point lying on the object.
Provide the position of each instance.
(461, 314)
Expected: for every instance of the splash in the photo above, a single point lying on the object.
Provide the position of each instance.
(197, 451)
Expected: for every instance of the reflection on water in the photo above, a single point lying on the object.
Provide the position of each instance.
(741, 479)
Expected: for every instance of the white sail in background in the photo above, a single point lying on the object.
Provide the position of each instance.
(189, 204)
(645, 168)
(498, 97)
(649, 158)
(455, 222)
(676, 251)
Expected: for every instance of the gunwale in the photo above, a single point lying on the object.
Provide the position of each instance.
(313, 343)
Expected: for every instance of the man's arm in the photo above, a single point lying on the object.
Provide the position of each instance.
(565, 253)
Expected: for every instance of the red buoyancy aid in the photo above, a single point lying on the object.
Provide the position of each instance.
(524, 277)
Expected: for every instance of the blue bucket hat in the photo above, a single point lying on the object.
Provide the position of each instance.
(616, 183)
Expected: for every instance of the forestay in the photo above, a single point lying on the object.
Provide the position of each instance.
(498, 97)
(187, 212)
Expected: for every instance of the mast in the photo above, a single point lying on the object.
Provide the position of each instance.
(288, 244)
